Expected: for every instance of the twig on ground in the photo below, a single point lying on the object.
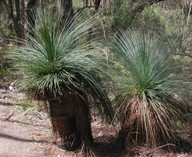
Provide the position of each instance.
(9, 116)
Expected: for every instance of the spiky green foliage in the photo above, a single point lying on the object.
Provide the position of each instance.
(147, 89)
(61, 59)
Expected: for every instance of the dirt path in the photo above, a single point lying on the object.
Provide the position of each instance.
(17, 141)
(18, 138)
(24, 135)
(30, 135)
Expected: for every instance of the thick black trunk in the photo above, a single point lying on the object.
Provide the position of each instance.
(64, 125)
(70, 118)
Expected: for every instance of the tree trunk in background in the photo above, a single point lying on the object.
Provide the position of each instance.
(17, 20)
(18, 17)
(1, 4)
(23, 18)
(65, 8)
(86, 3)
(31, 16)
(97, 4)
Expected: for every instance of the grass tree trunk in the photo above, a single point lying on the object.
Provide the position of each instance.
(70, 118)
(132, 129)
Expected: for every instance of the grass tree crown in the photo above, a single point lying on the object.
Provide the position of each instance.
(61, 58)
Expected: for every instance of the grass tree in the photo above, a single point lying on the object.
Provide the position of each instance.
(147, 100)
(59, 65)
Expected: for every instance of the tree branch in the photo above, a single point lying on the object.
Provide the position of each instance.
(141, 6)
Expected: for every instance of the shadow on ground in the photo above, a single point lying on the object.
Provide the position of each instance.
(21, 139)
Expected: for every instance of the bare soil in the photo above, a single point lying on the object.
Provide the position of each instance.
(29, 134)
